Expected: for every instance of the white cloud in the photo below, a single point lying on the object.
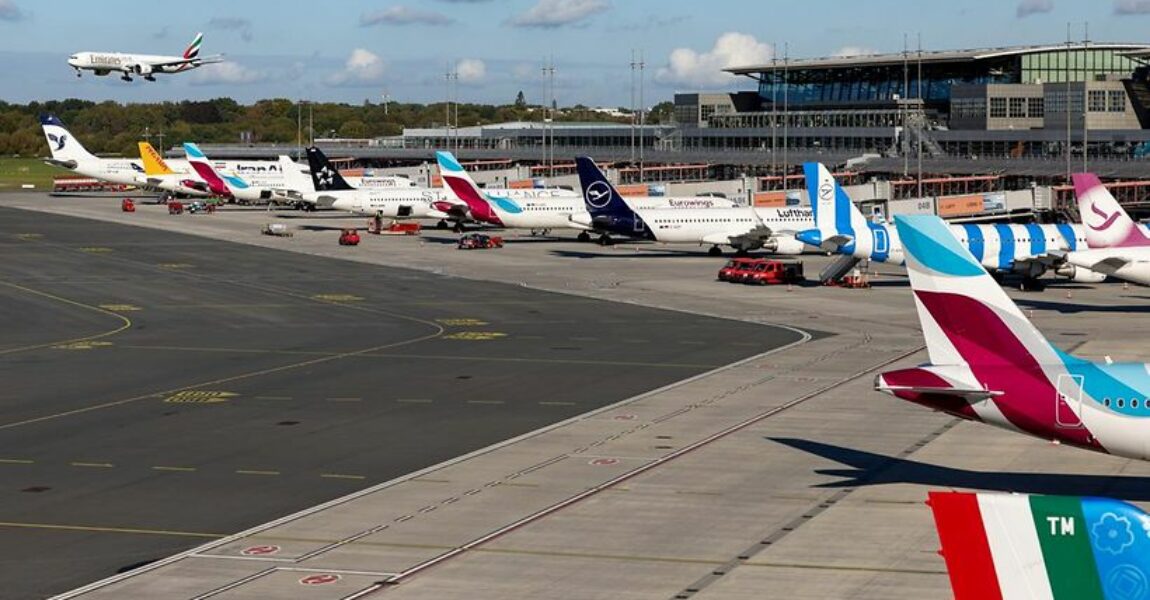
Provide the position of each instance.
(550, 14)
(9, 11)
(404, 15)
(471, 70)
(847, 51)
(362, 68)
(226, 73)
(1033, 7)
(687, 66)
(1132, 7)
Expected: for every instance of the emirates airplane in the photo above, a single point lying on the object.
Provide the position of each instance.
(144, 65)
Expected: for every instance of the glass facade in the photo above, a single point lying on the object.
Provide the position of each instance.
(864, 84)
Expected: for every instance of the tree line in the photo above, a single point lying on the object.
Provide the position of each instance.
(111, 128)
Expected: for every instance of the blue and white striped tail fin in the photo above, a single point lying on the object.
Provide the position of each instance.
(839, 223)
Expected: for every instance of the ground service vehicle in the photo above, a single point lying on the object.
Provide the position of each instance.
(769, 272)
(476, 241)
(734, 269)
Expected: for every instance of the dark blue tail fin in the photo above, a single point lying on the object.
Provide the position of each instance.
(600, 197)
(324, 176)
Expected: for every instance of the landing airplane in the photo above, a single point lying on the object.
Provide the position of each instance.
(69, 153)
(1028, 250)
(1118, 246)
(742, 228)
(146, 65)
(988, 363)
(541, 209)
(1031, 547)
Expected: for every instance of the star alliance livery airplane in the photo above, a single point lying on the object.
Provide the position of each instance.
(988, 363)
(145, 65)
(1031, 547)
(1028, 250)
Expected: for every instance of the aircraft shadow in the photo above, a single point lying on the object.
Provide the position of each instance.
(1071, 308)
(867, 468)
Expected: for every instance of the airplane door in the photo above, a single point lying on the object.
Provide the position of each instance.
(404, 210)
(1068, 401)
(881, 241)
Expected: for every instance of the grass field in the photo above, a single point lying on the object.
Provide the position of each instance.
(15, 172)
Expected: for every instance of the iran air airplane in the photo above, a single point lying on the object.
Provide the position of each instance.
(541, 210)
(742, 228)
(68, 153)
(1118, 246)
(988, 363)
(1028, 250)
(145, 65)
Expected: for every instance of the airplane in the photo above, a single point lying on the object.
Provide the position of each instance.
(988, 363)
(1117, 245)
(146, 65)
(330, 188)
(1029, 547)
(743, 228)
(1028, 250)
(233, 187)
(159, 176)
(68, 153)
(540, 210)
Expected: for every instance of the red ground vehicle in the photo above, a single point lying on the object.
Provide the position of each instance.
(128, 205)
(349, 237)
(475, 241)
(175, 208)
(770, 271)
(735, 268)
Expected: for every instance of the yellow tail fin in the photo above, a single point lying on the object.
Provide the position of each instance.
(153, 163)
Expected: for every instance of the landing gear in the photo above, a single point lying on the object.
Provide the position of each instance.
(150, 77)
(126, 77)
(740, 252)
(715, 251)
(79, 73)
(584, 237)
(1031, 284)
(458, 228)
(605, 240)
(441, 224)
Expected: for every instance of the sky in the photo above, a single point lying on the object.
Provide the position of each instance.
(358, 50)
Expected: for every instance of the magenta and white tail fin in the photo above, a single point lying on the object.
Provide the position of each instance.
(1105, 221)
(967, 319)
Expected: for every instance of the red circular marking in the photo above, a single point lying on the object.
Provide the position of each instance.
(625, 417)
(321, 579)
(604, 462)
(259, 550)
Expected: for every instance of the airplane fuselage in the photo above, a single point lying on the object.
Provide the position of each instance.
(104, 63)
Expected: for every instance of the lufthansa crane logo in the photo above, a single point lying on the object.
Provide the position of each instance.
(598, 194)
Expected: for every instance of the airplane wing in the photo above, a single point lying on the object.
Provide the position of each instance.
(1110, 264)
(206, 60)
(755, 237)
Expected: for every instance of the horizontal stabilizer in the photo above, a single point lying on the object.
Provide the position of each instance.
(972, 395)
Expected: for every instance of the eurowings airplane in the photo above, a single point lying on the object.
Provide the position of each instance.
(159, 176)
(145, 65)
(988, 363)
(742, 228)
(1117, 245)
(1028, 250)
(540, 209)
(69, 153)
(1031, 547)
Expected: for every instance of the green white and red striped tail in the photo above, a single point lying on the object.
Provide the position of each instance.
(1016, 546)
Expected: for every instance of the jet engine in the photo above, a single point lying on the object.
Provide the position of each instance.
(1080, 275)
(784, 244)
(142, 69)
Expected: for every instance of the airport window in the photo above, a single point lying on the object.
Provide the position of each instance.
(1116, 101)
(998, 108)
(1036, 107)
(1097, 100)
(1017, 108)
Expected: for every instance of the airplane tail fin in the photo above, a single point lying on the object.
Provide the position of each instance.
(324, 176)
(600, 197)
(1017, 546)
(294, 176)
(205, 170)
(65, 148)
(154, 163)
(462, 188)
(193, 49)
(966, 317)
(1106, 223)
(838, 222)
